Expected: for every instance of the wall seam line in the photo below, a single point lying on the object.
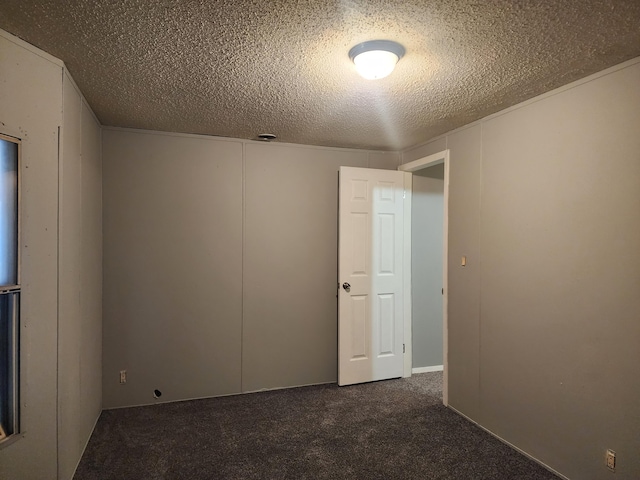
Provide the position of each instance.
(480, 410)
(242, 300)
(58, 240)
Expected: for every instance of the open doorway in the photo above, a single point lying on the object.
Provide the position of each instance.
(427, 211)
(429, 232)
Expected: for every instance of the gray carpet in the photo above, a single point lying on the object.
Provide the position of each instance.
(396, 429)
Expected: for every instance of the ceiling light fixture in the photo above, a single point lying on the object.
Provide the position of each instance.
(376, 58)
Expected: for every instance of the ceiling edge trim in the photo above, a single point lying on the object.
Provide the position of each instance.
(537, 98)
(245, 140)
(33, 49)
(67, 75)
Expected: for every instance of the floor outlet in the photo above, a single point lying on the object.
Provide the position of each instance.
(123, 376)
(611, 460)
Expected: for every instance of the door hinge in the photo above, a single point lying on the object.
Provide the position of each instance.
(404, 350)
(404, 194)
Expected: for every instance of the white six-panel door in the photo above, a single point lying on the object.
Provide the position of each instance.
(370, 275)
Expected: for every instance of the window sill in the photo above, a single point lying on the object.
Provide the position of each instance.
(5, 442)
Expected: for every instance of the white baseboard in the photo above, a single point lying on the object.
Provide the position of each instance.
(435, 368)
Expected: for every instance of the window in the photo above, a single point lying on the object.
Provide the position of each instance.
(9, 287)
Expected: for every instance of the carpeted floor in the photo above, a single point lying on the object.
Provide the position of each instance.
(396, 429)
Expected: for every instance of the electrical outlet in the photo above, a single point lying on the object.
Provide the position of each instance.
(123, 376)
(611, 460)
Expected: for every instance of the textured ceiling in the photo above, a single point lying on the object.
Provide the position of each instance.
(237, 68)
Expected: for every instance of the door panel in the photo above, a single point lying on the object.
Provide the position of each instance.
(370, 318)
(358, 330)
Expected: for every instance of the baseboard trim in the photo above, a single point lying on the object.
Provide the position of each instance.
(245, 392)
(519, 450)
(434, 368)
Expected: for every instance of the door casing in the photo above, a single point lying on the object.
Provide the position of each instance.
(426, 162)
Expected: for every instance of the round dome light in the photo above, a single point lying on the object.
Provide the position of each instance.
(376, 58)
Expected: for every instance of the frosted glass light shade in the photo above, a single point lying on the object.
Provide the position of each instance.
(375, 64)
(377, 58)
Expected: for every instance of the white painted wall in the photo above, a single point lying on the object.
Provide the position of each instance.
(61, 262)
(31, 109)
(543, 321)
(80, 279)
(90, 277)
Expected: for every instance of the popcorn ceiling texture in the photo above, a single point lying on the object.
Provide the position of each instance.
(238, 68)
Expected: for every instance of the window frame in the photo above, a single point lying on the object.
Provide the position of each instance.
(15, 290)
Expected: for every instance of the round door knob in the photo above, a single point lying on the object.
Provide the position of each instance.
(346, 286)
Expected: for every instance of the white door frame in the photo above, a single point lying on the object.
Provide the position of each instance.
(426, 162)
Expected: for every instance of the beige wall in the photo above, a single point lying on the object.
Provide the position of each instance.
(220, 264)
(543, 320)
(91, 274)
(61, 262)
(172, 266)
(31, 109)
(290, 264)
(80, 279)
